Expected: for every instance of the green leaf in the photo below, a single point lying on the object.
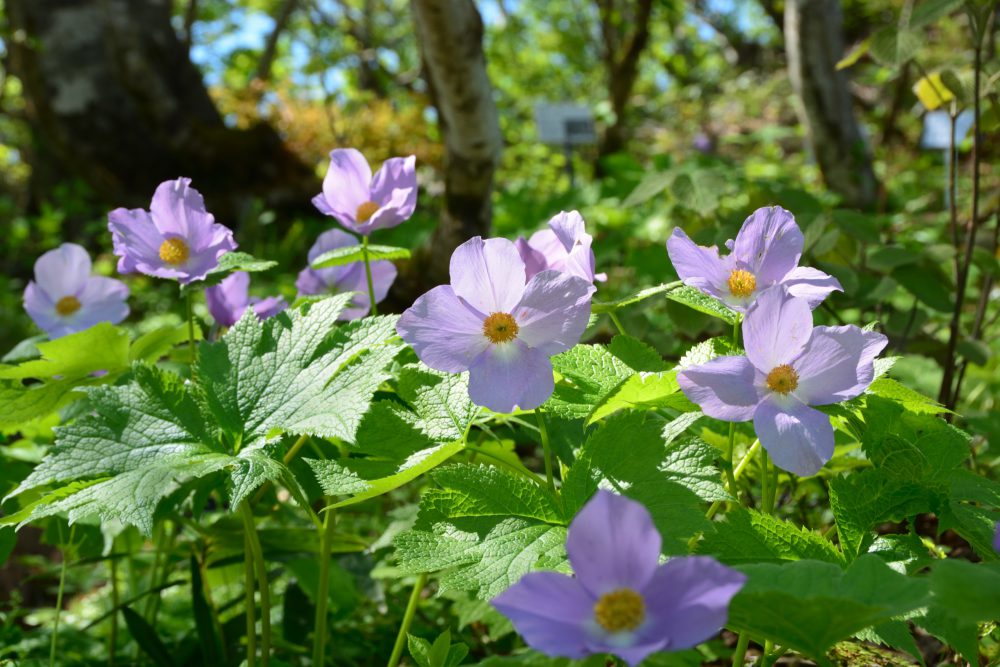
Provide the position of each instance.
(868, 497)
(747, 536)
(929, 11)
(651, 185)
(237, 261)
(486, 539)
(855, 55)
(102, 347)
(145, 636)
(295, 373)
(151, 346)
(667, 479)
(442, 653)
(589, 374)
(355, 253)
(639, 356)
(809, 606)
(696, 300)
(967, 591)
(399, 445)
(910, 400)
(641, 295)
(8, 538)
(974, 351)
(892, 47)
(643, 390)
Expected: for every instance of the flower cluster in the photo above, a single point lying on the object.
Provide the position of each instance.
(622, 600)
(228, 300)
(789, 364)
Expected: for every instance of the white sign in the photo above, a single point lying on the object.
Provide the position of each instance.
(565, 124)
(937, 129)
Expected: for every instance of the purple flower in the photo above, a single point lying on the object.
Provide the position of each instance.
(766, 253)
(497, 325)
(228, 300)
(176, 238)
(621, 600)
(361, 203)
(346, 277)
(64, 298)
(789, 365)
(565, 247)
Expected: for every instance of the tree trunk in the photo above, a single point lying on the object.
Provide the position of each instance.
(814, 44)
(450, 35)
(113, 99)
(624, 41)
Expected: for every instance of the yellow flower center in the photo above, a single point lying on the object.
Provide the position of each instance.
(366, 211)
(742, 283)
(500, 328)
(174, 251)
(782, 379)
(620, 610)
(67, 305)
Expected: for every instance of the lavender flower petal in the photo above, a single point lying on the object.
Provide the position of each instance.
(554, 311)
(776, 329)
(534, 260)
(769, 244)
(445, 333)
(698, 266)
(798, 438)
(508, 376)
(63, 271)
(489, 275)
(724, 388)
(811, 284)
(613, 544)
(550, 611)
(346, 185)
(229, 299)
(837, 364)
(688, 600)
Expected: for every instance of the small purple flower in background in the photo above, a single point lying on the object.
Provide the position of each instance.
(64, 298)
(766, 253)
(361, 203)
(621, 601)
(228, 300)
(789, 365)
(496, 324)
(565, 247)
(346, 277)
(176, 238)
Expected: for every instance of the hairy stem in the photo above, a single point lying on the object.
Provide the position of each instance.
(250, 604)
(404, 627)
(190, 320)
(115, 601)
(59, 596)
(368, 274)
(740, 653)
(546, 449)
(323, 594)
(253, 540)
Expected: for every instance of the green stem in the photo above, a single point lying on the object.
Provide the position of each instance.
(618, 323)
(368, 274)
(170, 537)
(115, 601)
(404, 627)
(731, 444)
(765, 478)
(265, 592)
(740, 654)
(323, 594)
(158, 548)
(190, 320)
(736, 474)
(546, 449)
(250, 604)
(59, 596)
(765, 658)
(289, 455)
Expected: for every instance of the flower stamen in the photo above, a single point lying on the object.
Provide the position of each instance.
(67, 305)
(500, 328)
(782, 379)
(620, 610)
(366, 211)
(742, 283)
(174, 251)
